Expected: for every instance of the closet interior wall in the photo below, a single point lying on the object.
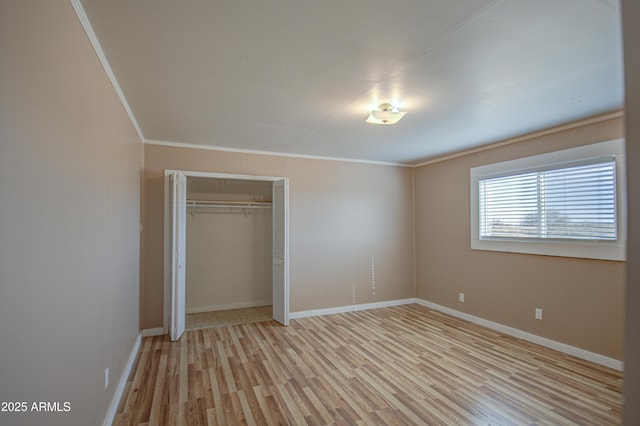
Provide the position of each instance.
(229, 246)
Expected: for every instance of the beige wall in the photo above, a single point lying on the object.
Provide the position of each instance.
(70, 166)
(582, 300)
(631, 17)
(341, 214)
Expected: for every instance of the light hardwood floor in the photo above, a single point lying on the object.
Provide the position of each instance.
(400, 365)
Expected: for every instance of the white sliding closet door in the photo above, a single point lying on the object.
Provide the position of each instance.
(178, 207)
(281, 251)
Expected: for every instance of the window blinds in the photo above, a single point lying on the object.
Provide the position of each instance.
(569, 202)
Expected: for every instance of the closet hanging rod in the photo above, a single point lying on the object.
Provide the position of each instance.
(228, 204)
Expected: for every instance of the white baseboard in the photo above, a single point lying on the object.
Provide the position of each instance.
(543, 341)
(350, 308)
(158, 331)
(115, 401)
(240, 305)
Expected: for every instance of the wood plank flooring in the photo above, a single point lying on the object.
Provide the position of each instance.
(402, 365)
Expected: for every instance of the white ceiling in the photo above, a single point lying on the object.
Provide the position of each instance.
(299, 76)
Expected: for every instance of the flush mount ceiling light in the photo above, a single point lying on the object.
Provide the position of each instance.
(385, 114)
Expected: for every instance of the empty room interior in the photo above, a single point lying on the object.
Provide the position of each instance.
(220, 212)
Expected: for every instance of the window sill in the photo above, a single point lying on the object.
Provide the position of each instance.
(614, 251)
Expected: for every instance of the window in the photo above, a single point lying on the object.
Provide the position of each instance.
(572, 202)
(565, 203)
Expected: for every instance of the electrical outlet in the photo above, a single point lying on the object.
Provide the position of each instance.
(539, 314)
(106, 377)
(461, 297)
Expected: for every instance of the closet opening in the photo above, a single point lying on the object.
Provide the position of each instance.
(226, 249)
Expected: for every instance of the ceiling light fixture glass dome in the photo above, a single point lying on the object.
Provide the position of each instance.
(385, 114)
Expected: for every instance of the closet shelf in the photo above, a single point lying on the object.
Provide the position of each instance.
(228, 204)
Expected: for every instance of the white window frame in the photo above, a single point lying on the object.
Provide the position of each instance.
(604, 250)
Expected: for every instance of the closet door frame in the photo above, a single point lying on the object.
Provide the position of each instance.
(284, 292)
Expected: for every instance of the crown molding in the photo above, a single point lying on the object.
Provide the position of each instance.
(271, 153)
(88, 29)
(528, 136)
